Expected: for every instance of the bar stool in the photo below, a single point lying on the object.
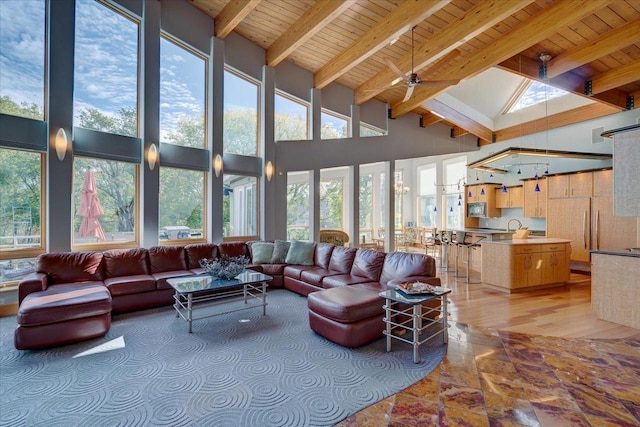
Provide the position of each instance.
(467, 247)
(459, 242)
(445, 242)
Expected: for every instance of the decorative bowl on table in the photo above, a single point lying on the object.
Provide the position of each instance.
(416, 288)
(225, 267)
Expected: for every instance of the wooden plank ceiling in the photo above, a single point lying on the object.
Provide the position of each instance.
(594, 47)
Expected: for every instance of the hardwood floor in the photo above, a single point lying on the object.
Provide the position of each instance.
(560, 312)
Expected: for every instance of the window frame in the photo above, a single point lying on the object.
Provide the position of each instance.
(258, 84)
(245, 238)
(338, 116)
(369, 127)
(104, 246)
(172, 39)
(302, 102)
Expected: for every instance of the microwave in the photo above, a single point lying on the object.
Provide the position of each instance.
(477, 209)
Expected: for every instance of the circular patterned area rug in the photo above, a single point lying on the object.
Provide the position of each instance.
(238, 369)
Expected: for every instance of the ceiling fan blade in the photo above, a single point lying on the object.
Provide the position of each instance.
(432, 83)
(408, 94)
(440, 63)
(394, 68)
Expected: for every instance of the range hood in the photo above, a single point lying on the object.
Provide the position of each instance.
(501, 161)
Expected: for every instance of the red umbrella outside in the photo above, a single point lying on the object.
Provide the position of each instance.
(90, 208)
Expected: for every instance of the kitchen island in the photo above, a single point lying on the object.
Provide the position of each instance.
(519, 265)
(615, 286)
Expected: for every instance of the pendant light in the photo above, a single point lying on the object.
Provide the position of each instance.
(482, 191)
(504, 189)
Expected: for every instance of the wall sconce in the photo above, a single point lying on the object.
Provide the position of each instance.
(217, 165)
(61, 143)
(268, 170)
(152, 156)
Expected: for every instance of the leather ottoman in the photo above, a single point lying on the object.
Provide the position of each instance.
(350, 315)
(63, 314)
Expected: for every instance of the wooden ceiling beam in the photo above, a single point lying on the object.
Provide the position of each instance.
(309, 24)
(408, 14)
(569, 81)
(565, 118)
(428, 119)
(231, 15)
(454, 116)
(538, 28)
(457, 132)
(606, 44)
(615, 77)
(474, 22)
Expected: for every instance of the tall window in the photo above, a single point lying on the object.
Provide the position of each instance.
(182, 95)
(22, 47)
(298, 205)
(369, 130)
(240, 206)
(106, 70)
(454, 171)
(21, 232)
(291, 118)
(334, 125)
(399, 193)
(332, 198)
(182, 200)
(366, 206)
(105, 201)
(427, 196)
(241, 100)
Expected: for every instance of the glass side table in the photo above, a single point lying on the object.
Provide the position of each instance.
(417, 318)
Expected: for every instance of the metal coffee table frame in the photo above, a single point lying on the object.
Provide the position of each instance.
(194, 290)
(417, 317)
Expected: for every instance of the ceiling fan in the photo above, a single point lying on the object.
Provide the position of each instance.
(412, 80)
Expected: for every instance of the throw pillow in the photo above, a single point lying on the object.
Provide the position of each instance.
(301, 253)
(280, 251)
(262, 252)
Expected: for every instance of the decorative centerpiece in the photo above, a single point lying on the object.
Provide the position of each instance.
(225, 267)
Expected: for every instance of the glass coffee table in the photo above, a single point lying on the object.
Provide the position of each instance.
(192, 290)
(417, 317)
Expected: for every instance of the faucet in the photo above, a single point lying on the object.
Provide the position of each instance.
(516, 220)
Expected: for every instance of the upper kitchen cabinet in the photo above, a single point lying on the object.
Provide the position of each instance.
(571, 185)
(535, 202)
(512, 198)
(482, 193)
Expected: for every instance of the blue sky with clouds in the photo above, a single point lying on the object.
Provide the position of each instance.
(22, 50)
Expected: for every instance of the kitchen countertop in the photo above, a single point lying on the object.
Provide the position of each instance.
(634, 254)
(494, 231)
(529, 241)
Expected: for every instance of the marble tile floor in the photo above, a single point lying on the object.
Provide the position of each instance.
(491, 377)
(496, 378)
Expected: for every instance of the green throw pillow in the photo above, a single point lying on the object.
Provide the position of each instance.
(262, 252)
(280, 250)
(301, 253)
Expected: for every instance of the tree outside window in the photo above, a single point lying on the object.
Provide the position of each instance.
(181, 204)
(298, 205)
(366, 206)
(241, 100)
(333, 125)
(116, 191)
(291, 118)
(331, 199)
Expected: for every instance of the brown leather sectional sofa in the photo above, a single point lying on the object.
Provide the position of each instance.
(71, 295)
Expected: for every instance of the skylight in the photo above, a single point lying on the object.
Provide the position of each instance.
(535, 93)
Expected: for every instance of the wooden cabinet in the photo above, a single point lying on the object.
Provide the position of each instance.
(483, 193)
(519, 267)
(609, 232)
(571, 185)
(603, 183)
(535, 202)
(570, 218)
(513, 198)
